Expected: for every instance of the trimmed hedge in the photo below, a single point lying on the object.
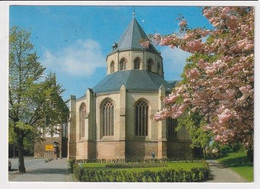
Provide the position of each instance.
(85, 174)
(136, 165)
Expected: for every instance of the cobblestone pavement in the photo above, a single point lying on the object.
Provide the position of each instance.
(222, 174)
(37, 170)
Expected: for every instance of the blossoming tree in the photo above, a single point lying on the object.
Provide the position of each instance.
(219, 76)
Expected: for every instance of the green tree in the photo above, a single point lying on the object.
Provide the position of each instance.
(35, 101)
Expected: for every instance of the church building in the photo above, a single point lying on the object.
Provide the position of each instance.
(111, 121)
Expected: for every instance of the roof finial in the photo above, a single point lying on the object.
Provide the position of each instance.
(133, 11)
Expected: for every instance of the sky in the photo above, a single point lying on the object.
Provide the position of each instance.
(73, 41)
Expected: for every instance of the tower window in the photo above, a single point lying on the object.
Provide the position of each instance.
(122, 64)
(137, 63)
(112, 67)
(108, 118)
(171, 126)
(159, 67)
(82, 116)
(141, 118)
(150, 65)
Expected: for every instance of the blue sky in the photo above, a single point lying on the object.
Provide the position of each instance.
(73, 41)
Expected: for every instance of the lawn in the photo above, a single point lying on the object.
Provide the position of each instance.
(240, 164)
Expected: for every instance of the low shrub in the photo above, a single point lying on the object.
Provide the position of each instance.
(71, 164)
(77, 171)
(140, 174)
(137, 165)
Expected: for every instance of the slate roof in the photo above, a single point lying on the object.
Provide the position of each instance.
(131, 38)
(134, 80)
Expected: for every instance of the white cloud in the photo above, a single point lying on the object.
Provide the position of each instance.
(80, 59)
(174, 61)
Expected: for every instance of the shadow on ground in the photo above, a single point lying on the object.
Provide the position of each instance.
(47, 171)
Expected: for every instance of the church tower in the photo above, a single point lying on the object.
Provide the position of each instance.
(112, 120)
(128, 54)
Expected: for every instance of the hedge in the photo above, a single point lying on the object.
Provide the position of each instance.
(137, 165)
(196, 174)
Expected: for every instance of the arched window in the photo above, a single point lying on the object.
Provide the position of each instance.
(112, 67)
(137, 63)
(122, 64)
(159, 67)
(171, 126)
(108, 118)
(141, 118)
(82, 116)
(150, 65)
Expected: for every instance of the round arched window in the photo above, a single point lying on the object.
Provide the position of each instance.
(122, 64)
(137, 63)
(112, 67)
(150, 65)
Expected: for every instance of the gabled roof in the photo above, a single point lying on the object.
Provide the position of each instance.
(134, 80)
(130, 40)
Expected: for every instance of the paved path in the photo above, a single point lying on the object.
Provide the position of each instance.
(37, 170)
(222, 174)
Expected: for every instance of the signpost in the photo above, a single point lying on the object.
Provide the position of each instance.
(48, 147)
(48, 152)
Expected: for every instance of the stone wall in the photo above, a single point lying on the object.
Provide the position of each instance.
(110, 150)
(141, 150)
(39, 147)
(85, 150)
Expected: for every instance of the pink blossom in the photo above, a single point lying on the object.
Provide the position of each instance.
(210, 70)
(188, 36)
(230, 92)
(194, 45)
(201, 64)
(231, 22)
(165, 41)
(183, 23)
(217, 138)
(145, 44)
(224, 116)
(170, 99)
(193, 73)
(245, 89)
(207, 13)
(225, 10)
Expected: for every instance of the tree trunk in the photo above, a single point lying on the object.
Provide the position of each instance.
(21, 166)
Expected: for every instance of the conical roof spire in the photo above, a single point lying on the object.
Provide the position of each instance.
(130, 40)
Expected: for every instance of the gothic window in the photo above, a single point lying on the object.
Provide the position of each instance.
(112, 67)
(171, 126)
(82, 116)
(122, 64)
(150, 65)
(137, 63)
(108, 118)
(141, 118)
